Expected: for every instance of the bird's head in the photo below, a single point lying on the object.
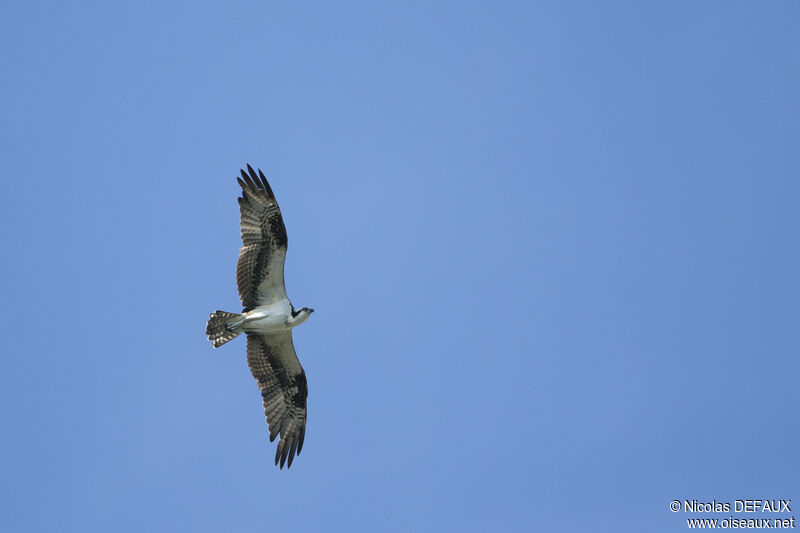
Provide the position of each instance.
(300, 315)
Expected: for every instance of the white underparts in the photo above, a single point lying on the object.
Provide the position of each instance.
(272, 318)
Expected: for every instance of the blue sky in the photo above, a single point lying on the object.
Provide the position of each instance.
(552, 248)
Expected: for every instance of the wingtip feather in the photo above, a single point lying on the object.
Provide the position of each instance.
(291, 452)
(248, 181)
(266, 184)
(252, 173)
(301, 439)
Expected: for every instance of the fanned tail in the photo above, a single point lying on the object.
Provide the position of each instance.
(222, 327)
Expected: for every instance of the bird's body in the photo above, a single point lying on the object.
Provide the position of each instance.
(268, 316)
(275, 317)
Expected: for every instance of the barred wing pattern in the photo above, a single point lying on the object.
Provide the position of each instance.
(274, 364)
(259, 271)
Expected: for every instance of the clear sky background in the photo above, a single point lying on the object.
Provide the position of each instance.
(552, 247)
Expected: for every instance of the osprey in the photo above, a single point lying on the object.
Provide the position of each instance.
(268, 316)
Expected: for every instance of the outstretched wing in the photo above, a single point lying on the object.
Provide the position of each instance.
(259, 271)
(274, 364)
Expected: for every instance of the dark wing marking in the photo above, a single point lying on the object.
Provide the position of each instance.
(259, 271)
(274, 364)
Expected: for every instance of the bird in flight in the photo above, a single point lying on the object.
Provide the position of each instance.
(268, 316)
